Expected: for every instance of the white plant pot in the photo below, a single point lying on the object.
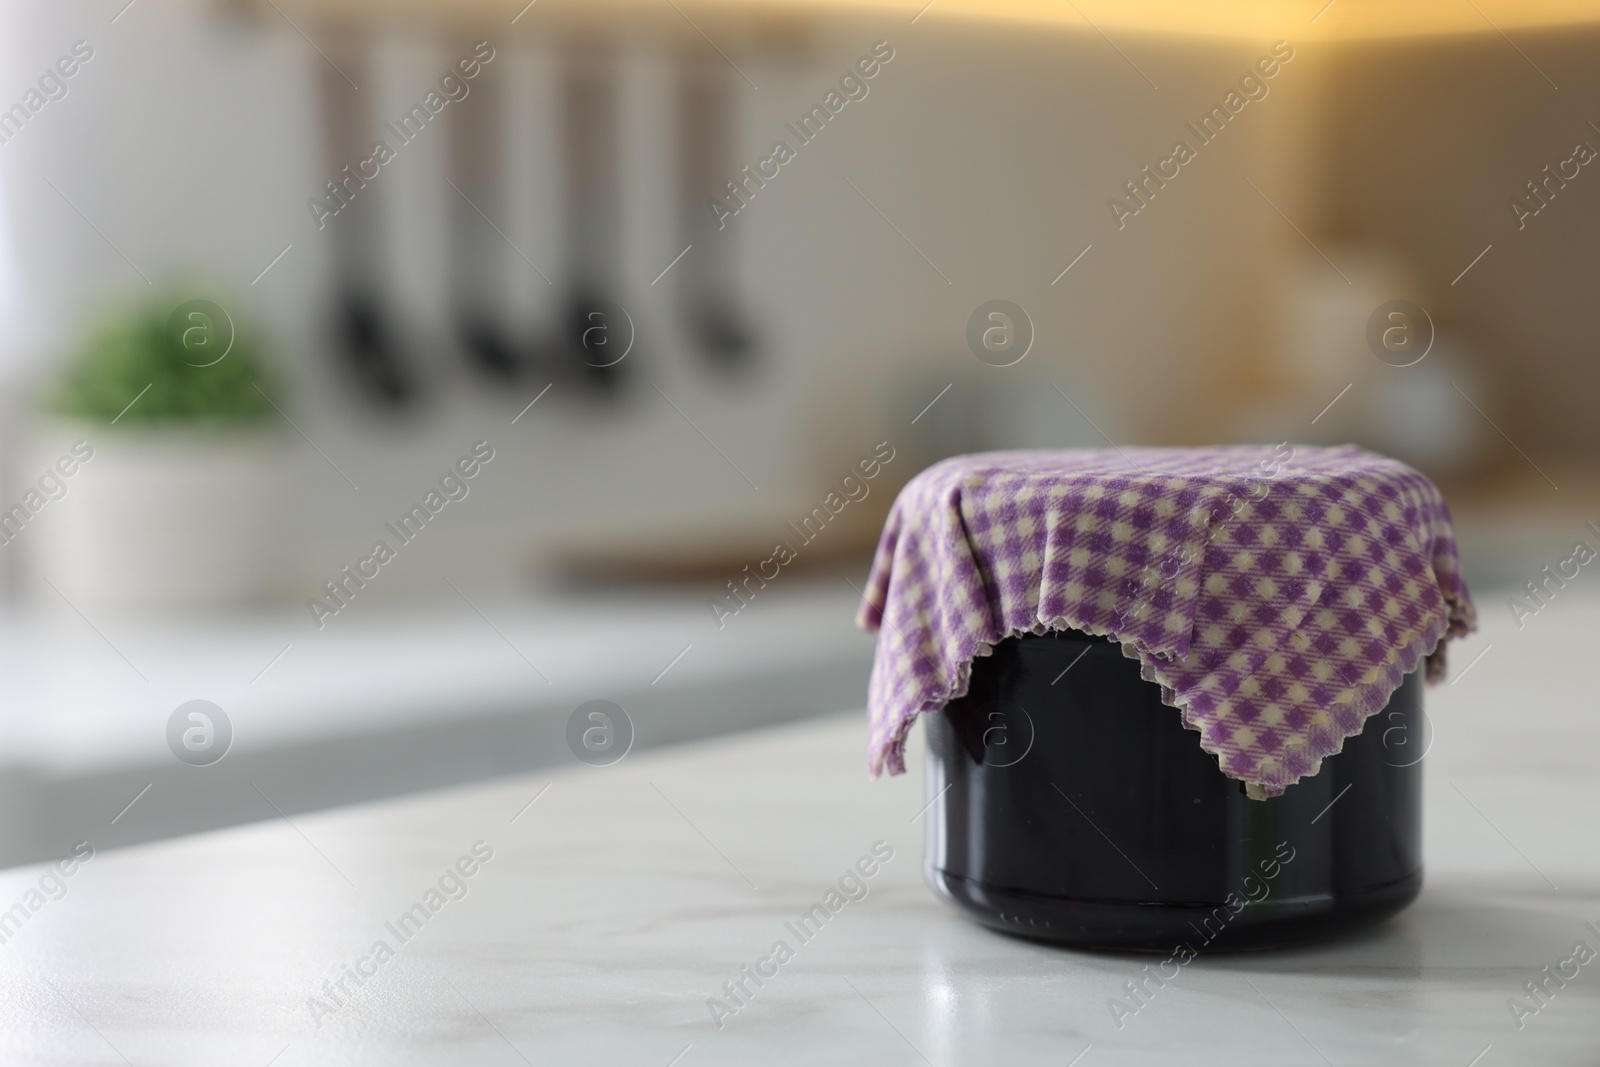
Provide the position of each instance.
(154, 518)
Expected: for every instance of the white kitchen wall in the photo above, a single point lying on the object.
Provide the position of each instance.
(992, 151)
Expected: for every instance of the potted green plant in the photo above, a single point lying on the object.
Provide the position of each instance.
(165, 465)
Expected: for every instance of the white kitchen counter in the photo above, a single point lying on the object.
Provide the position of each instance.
(405, 697)
(622, 899)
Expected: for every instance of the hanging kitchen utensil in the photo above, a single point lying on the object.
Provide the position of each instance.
(363, 341)
(593, 212)
(477, 248)
(708, 289)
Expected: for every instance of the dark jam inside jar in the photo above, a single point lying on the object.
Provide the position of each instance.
(1070, 804)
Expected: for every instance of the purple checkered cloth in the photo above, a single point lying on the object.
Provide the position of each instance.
(1278, 595)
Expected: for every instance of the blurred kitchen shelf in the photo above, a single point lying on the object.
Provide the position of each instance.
(385, 699)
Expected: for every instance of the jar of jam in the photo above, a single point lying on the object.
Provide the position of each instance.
(1068, 803)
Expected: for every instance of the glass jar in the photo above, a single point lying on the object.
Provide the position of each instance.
(1068, 803)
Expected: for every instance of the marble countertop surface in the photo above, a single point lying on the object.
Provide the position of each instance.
(606, 905)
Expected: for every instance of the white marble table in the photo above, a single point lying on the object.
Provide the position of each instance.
(616, 904)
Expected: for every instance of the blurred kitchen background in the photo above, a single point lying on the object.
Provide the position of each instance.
(666, 386)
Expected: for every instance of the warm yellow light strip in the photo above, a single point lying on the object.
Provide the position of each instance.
(1254, 19)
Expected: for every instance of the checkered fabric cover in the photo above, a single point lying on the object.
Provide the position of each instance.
(1278, 595)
